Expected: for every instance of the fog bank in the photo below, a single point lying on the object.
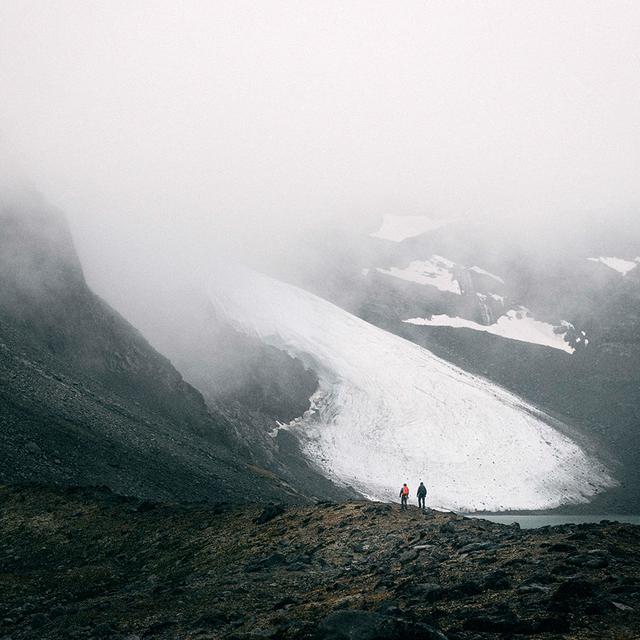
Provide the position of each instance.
(171, 129)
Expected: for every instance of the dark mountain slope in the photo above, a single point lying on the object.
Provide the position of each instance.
(90, 564)
(254, 385)
(45, 297)
(85, 399)
(226, 366)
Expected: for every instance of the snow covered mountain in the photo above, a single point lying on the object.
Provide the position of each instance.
(389, 411)
(550, 312)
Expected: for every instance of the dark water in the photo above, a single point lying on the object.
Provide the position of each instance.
(533, 522)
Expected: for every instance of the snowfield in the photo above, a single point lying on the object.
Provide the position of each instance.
(617, 264)
(516, 324)
(399, 228)
(487, 273)
(388, 411)
(436, 272)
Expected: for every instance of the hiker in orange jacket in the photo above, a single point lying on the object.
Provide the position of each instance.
(404, 496)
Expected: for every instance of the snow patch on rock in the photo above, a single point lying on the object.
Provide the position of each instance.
(398, 228)
(435, 272)
(486, 273)
(516, 324)
(438, 272)
(617, 264)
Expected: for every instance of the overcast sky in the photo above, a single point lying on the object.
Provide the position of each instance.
(163, 124)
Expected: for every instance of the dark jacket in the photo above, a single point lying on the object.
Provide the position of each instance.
(422, 491)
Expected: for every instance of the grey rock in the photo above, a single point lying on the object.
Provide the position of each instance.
(498, 580)
(429, 591)
(367, 625)
(39, 620)
(591, 561)
(270, 512)
(562, 547)
(103, 630)
(533, 588)
(476, 546)
(408, 556)
(32, 448)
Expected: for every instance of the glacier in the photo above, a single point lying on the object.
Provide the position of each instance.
(388, 411)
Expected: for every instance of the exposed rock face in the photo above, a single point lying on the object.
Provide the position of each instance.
(230, 368)
(49, 310)
(85, 399)
(87, 563)
(253, 385)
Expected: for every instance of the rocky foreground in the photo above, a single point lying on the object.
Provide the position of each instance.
(85, 563)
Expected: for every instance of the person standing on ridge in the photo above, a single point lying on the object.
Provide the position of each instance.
(404, 496)
(422, 495)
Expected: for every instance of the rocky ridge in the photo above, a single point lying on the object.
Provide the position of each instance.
(86, 563)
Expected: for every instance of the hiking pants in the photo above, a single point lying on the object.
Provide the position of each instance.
(421, 501)
(403, 502)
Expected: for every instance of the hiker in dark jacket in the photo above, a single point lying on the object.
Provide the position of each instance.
(422, 494)
(404, 496)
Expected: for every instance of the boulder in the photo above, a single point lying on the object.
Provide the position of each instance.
(408, 556)
(274, 560)
(562, 547)
(368, 625)
(429, 591)
(476, 546)
(570, 592)
(589, 560)
(270, 512)
(497, 580)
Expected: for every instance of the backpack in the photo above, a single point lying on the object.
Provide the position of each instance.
(405, 491)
